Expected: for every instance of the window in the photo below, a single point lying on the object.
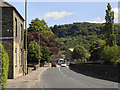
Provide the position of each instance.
(15, 27)
(21, 32)
(15, 57)
(20, 57)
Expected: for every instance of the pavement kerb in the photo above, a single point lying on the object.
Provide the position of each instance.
(29, 85)
(27, 78)
(41, 73)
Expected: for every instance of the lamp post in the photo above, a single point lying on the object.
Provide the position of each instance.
(39, 44)
(39, 47)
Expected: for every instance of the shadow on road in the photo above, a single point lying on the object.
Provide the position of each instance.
(92, 74)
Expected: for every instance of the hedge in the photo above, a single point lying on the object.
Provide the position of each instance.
(5, 66)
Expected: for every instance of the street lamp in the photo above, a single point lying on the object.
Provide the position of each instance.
(39, 47)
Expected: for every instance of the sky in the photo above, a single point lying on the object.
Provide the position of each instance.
(59, 13)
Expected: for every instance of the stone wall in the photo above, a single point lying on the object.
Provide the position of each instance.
(7, 22)
(8, 46)
(7, 32)
(18, 43)
(107, 72)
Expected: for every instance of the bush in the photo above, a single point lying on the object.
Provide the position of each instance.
(112, 61)
(5, 67)
(110, 54)
(117, 62)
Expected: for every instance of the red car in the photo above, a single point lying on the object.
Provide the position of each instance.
(53, 64)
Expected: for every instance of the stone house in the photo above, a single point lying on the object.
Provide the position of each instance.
(13, 39)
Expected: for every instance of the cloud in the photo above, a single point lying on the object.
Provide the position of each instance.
(57, 15)
(97, 20)
(115, 12)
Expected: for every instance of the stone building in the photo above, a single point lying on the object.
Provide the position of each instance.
(13, 39)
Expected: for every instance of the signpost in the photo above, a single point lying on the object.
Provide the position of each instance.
(39, 60)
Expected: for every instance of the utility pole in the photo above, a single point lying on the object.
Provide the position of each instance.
(26, 33)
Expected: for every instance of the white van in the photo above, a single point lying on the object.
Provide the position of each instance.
(61, 60)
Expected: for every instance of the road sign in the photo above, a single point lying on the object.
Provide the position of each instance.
(39, 57)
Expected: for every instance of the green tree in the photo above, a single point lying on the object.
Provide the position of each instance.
(109, 31)
(110, 54)
(33, 52)
(5, 66)
(45, 53)
(41, 25)
(79, 52)
(96, 49)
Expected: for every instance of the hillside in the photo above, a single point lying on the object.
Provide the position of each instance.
(84, 34)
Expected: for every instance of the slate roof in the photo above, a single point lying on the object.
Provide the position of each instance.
(7, 5)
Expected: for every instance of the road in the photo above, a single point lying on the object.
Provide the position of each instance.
(63, 77)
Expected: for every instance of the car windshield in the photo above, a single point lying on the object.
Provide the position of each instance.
(63, 63)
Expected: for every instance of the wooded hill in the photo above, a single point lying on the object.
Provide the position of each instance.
(70, 35)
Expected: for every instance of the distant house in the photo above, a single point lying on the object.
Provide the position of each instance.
(69, 53)
(13, 39)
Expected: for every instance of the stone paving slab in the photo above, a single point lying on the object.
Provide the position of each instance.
(27, 80)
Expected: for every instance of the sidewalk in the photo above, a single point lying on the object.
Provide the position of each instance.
(26, 81)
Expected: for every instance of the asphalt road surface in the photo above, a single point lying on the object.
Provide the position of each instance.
(63, 77)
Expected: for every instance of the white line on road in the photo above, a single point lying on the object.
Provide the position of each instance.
(90, 86)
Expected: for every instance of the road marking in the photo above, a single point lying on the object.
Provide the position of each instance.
(90, 86)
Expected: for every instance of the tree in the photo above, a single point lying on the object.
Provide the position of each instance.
(109, 32)
(47, 37)
(79, 52)
(45, 53)
(33, 52)
(110, 54)
(41, 25)
(50, 42)
(96, 49)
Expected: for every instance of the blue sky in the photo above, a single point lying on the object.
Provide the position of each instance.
(66, 12)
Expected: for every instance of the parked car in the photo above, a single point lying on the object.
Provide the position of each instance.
(63, 64)
(60, 61)
(53, 64)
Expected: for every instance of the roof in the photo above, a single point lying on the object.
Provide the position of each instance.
(71, 49)
(7, 5)
(61, 59)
